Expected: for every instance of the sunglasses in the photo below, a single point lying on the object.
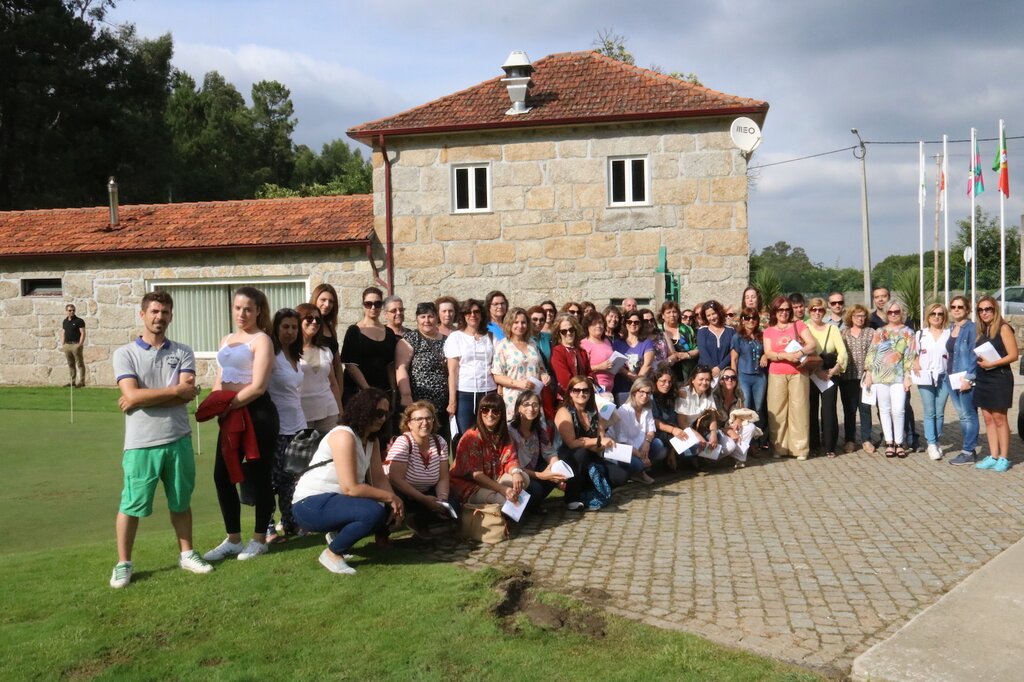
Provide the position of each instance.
(986, 309)
(686, 317)
(816, 309)
(474, 311)
(579, 391)
(836, 302)
(379, 413)
(376, 305)
(728, 377)
(567, 332)
(631, 322)
(783, 310)
(490, 410)
(957, 306)
(747, 318)
(936, 313)
(573, 311)
(309, 319)
(897, 312)
(537, 320)
(730, 315)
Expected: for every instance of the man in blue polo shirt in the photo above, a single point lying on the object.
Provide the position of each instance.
(157, 378)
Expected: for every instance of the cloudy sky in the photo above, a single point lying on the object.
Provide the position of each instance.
(897, 71)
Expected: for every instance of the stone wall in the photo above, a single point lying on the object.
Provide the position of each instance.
(107, 293)
(551, 233)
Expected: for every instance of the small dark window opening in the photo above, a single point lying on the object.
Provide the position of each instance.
(43, 286)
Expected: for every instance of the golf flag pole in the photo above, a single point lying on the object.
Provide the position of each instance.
(945, 208)
(920, 231)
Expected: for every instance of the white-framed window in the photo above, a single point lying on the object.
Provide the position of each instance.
(628, 181)
(471, 188)
(202, 307)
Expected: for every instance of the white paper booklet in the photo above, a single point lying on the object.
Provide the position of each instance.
(620, 452)
(925, 378)
(453, 426)
(711, 453)
(794, 346)
(681, 445)
(562, 469)
(514, 510)
(822, 384)
(987, 351)
(867, 396)
(955, 379)
(618, 361)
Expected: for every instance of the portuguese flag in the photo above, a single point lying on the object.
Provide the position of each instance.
(1000, 166)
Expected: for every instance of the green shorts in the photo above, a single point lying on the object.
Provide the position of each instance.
(172, 463)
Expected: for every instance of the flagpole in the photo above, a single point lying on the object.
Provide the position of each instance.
(974, 252)
(945, 205)
(1002, 234)
(920, 234)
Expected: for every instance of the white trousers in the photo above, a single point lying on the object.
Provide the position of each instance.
(892, 400)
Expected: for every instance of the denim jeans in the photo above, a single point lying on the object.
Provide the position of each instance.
(968, 413)
(465, 409)
(755, 387)
(351, 518)
(934, 400)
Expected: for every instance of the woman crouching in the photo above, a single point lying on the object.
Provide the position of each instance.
(418, 468)
(332, 496)
(486, 468)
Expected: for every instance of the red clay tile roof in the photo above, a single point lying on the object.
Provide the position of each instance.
(247, 224)
(570, 87)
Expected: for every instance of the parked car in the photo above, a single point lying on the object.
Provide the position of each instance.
(1014, 299)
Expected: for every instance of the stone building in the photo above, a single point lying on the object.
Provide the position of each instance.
(199, 252)
(568, 190)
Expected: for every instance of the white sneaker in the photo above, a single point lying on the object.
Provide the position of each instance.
(253, 550)
(934, 453)
(122, 575)
(194, 563)
(335, 565)
(329, 536)
(224, 550)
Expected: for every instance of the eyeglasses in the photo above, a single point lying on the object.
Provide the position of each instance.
(643, 392)
(576, 390)
(836, 302)
(537, 320)
(309, 319)
(816, 309)
(957, 306)
(379, 413)
(986, 309)
(424, 420)
(686, 318)
(376, 305)
(747, 318)
(397, 310)
(499, 304)
(728, 377)
(490, 410)
(936, 313)
(532, 405)
(730, 315)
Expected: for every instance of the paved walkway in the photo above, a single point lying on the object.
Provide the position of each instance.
(810, 562)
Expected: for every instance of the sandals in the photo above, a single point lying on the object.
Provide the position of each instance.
(890, 450)
(900, 452)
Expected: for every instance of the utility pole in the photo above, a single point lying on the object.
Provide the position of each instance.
(861, 152)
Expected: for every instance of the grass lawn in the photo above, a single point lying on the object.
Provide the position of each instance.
(405, 615)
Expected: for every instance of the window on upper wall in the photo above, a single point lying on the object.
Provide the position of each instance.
(43, 286)
(628, 181)
(202, 308)
(471, 188)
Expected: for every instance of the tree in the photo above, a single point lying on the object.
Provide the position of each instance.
(796, 272)
(612, 45)
(272, 113)
(986, 251)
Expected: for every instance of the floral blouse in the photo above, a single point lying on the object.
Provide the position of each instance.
(477, 453)
(513, 363)
(891, 355)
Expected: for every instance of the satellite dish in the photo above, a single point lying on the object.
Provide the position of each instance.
(745, 134)
(968, 254)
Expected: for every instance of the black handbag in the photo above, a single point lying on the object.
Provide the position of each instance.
(828, 360)
(301, 450)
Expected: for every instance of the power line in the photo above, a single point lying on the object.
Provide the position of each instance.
(980, 139)
(802, 158)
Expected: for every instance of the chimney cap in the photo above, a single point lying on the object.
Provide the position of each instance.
(517, 60)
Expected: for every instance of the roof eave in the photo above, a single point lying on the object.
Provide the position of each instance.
(366, 136)
(362, 242)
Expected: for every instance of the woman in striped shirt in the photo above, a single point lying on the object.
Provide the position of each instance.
(418, 467)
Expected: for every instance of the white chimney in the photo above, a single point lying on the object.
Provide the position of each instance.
(112, 191)
(517, 79)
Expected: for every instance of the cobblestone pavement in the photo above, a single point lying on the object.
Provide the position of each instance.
(809, 562)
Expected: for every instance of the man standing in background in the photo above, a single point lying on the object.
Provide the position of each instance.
(74, 341)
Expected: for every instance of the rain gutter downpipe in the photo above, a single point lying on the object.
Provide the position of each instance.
(389, 236)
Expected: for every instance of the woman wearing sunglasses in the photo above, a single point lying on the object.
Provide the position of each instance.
(368, 350)
(961, 358)
(824, 423)
(486, 468)
(889, 362)
(788, 397)
(332, 496)
(321, 395)
(470, 353)
(568, 359)
(583, 442)
(993, 390)
(930, 374)
(748, 361)
(639, 351)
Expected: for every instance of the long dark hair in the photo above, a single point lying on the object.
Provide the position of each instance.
(499, 437)
(295, 349)
(263, 320)
(575, 381)
(360, 411)
(330, 320)
(757, 334)
(664, 400)
(304, 309)
(485, 317)
(517, 420)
